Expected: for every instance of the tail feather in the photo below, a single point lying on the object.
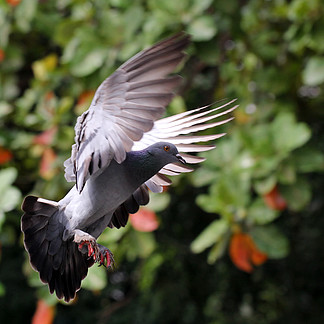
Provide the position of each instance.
(60, 264)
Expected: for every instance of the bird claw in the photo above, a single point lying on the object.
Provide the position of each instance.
(99, 253)
(106, 257)
(93, 250)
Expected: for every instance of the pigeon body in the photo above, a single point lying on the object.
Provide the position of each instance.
(110, 187)
(122, 149)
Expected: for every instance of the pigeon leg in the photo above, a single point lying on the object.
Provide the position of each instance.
(106, 258)
(98, 252)
(85, 239)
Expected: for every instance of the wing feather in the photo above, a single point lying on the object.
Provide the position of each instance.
(124, 107)
(178, 130)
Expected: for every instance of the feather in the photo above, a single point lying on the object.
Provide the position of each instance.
(121, 101)
(193, 139)
(194, 148)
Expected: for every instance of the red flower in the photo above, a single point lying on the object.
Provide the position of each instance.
(85, 97)
(44, 313)
(2, 55)
(46, 137)
(5, 155)
(13, 3)
(46, 165)
(244, 253)
(144, 220)
(274, 200)
(84, 101)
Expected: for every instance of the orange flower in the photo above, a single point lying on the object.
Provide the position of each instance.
(13, 3)
(244, 253)
(144, 220)
(84, 101)
(2, 55)
(44, 313)
(5, 155)
(46, 166)
(46, 137)
(274, 200)
(85, 96)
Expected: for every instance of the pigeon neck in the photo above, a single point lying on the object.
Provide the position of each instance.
(142, 165)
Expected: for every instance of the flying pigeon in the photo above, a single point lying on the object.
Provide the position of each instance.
(122, 150)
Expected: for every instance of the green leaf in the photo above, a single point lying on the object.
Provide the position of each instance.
(207, 203)
(159, 202)
(288, 134)
(145, 243)
(112, 235)
(149, 271)
(265, 185)
(70, 50)
(5, 108)
(64, 33)
(2, 218)
(134, 17)
(258, 139)
(2, 290)
(199, 6)
(313, 73)
(218, 250)
(286, 173)
(96, 278)
(260, 214)
(90, 62)
(170, 6)
(176, 106)
(210, 235)
(270, 241)
(44, 294)
(202, 28)
(5, 29)
(7, 177)
(139, 244)
(10, 199)
(308, 160)
(25, 13)
(203, 176)
(229, 192)
(297, 195)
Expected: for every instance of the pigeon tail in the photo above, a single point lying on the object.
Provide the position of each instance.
(60, 264)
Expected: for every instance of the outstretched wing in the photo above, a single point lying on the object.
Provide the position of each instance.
(124, 107)
(178, 130)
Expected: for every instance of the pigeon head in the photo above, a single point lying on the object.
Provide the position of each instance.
(165, 152)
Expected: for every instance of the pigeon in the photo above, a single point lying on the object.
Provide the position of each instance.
(123, 149)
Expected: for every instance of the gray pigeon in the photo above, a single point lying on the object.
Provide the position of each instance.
(122, 149)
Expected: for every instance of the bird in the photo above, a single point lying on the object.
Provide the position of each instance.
(124, 148)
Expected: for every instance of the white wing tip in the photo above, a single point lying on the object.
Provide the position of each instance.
(48, 202)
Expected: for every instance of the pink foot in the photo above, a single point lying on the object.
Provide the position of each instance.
(98, 252)
(106, 257)
(93, 250)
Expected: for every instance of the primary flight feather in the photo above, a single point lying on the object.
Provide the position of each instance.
(122, 148)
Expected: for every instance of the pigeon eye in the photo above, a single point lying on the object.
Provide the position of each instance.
(166, 148)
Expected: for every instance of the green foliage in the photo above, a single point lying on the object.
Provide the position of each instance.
(264, 178)
(211, 234)
(9, 195)
(271, 241)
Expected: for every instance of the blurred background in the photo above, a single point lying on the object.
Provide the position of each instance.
(240, 240)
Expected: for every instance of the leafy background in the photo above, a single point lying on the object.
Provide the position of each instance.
(237, 241)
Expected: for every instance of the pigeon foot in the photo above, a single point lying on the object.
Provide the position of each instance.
(99, 253)
(85, 239)
(106, 258)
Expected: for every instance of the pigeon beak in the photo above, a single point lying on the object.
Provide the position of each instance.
(181, 159)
